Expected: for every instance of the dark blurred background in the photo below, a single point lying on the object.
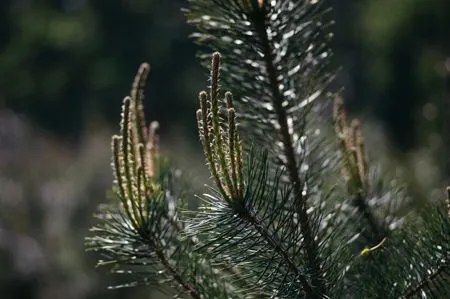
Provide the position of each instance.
(65, 66)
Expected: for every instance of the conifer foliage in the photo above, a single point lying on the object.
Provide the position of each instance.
(296, 207)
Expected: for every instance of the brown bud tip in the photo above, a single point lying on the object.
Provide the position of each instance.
(115, 139)
(152, 136)
(145, 67)
(338, 107)
(203, 96)
(215, 64)
(216, 56)
(229, 99)
(339, 101)
(356, 124)
(154, 125)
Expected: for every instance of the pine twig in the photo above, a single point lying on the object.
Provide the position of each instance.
(427, 281)
(355, 166)
(177, 276)
(311, 247)
(231, 157)
(443, 269)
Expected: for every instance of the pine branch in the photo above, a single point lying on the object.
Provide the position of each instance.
(355, 168)
(434, 269)
(441, 273)
(225, 166)
(141, 235)
(281, 62)
(291, 161)
(251, 231)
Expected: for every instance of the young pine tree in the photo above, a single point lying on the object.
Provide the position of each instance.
(295, 208)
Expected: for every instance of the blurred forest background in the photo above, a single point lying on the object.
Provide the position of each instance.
(65, 66)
